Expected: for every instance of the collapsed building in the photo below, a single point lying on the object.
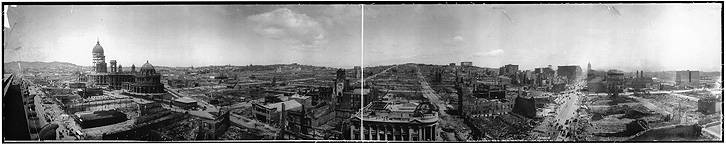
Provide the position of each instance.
(710, 105)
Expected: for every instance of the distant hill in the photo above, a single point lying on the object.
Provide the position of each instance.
(13, 66)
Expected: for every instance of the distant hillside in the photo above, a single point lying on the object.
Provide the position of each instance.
(13, 66)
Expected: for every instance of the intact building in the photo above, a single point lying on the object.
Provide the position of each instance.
(509, 70)
(688, 77)
(570, 72)
(467, 64)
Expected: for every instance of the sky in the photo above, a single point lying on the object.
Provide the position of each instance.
(628, 37)
(651, 37)
(182, 35)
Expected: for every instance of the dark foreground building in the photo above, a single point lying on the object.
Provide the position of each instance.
(15, 122)
(101, 118)
(525, 107)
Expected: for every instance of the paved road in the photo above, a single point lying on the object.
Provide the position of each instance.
(375, 75)
(434, 98)
(430, 94)
(569, 103)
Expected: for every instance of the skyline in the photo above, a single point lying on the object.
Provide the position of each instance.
(179, 35)
(651, 37)
(629, 37)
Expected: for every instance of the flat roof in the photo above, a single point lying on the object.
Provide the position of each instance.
(396, 112)
(290, 104)
(185, 100)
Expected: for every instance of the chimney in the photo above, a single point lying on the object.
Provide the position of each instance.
(282, 117)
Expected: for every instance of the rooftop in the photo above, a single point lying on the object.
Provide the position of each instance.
(185, 100)
(399, 112)
(289, 105)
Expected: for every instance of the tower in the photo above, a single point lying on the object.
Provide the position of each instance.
(99, 60)
(589, 67)
(133, 68)
(340, 83)
(113, 65)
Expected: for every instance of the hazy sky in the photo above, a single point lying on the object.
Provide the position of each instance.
(623, 36)
(627, 37)
(178, 35)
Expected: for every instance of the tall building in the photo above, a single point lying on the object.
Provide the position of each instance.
(509, 70)
(615, 81)
(688, 77)
(589, 67)
(572, 72)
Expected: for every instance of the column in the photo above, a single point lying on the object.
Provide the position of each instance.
(433, 133)
(395, 137)
(410, 133)
(370, 132)
(374, 132)
(352, 134)
(400, 133)
(426, 133)
(393, 132)
(385, 132)
(420, 134)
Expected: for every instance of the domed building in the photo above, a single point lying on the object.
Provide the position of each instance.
(99, 60)
(394, 120)
(146, 81)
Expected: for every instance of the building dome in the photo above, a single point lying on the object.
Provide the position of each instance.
(147, 68)
(97, 48)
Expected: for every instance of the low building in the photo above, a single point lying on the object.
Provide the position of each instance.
(88, 92)
(185, 103)
(467, 64)
(271, 113)
(480, 107)
(77, 85)
(101, 118)
(488, 91)
(710, 105)
(396, 121)
(642, 82)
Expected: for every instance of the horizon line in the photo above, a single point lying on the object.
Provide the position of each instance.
(352, 66)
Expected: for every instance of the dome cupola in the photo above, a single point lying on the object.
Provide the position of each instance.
(147, 69)
(97, 48)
